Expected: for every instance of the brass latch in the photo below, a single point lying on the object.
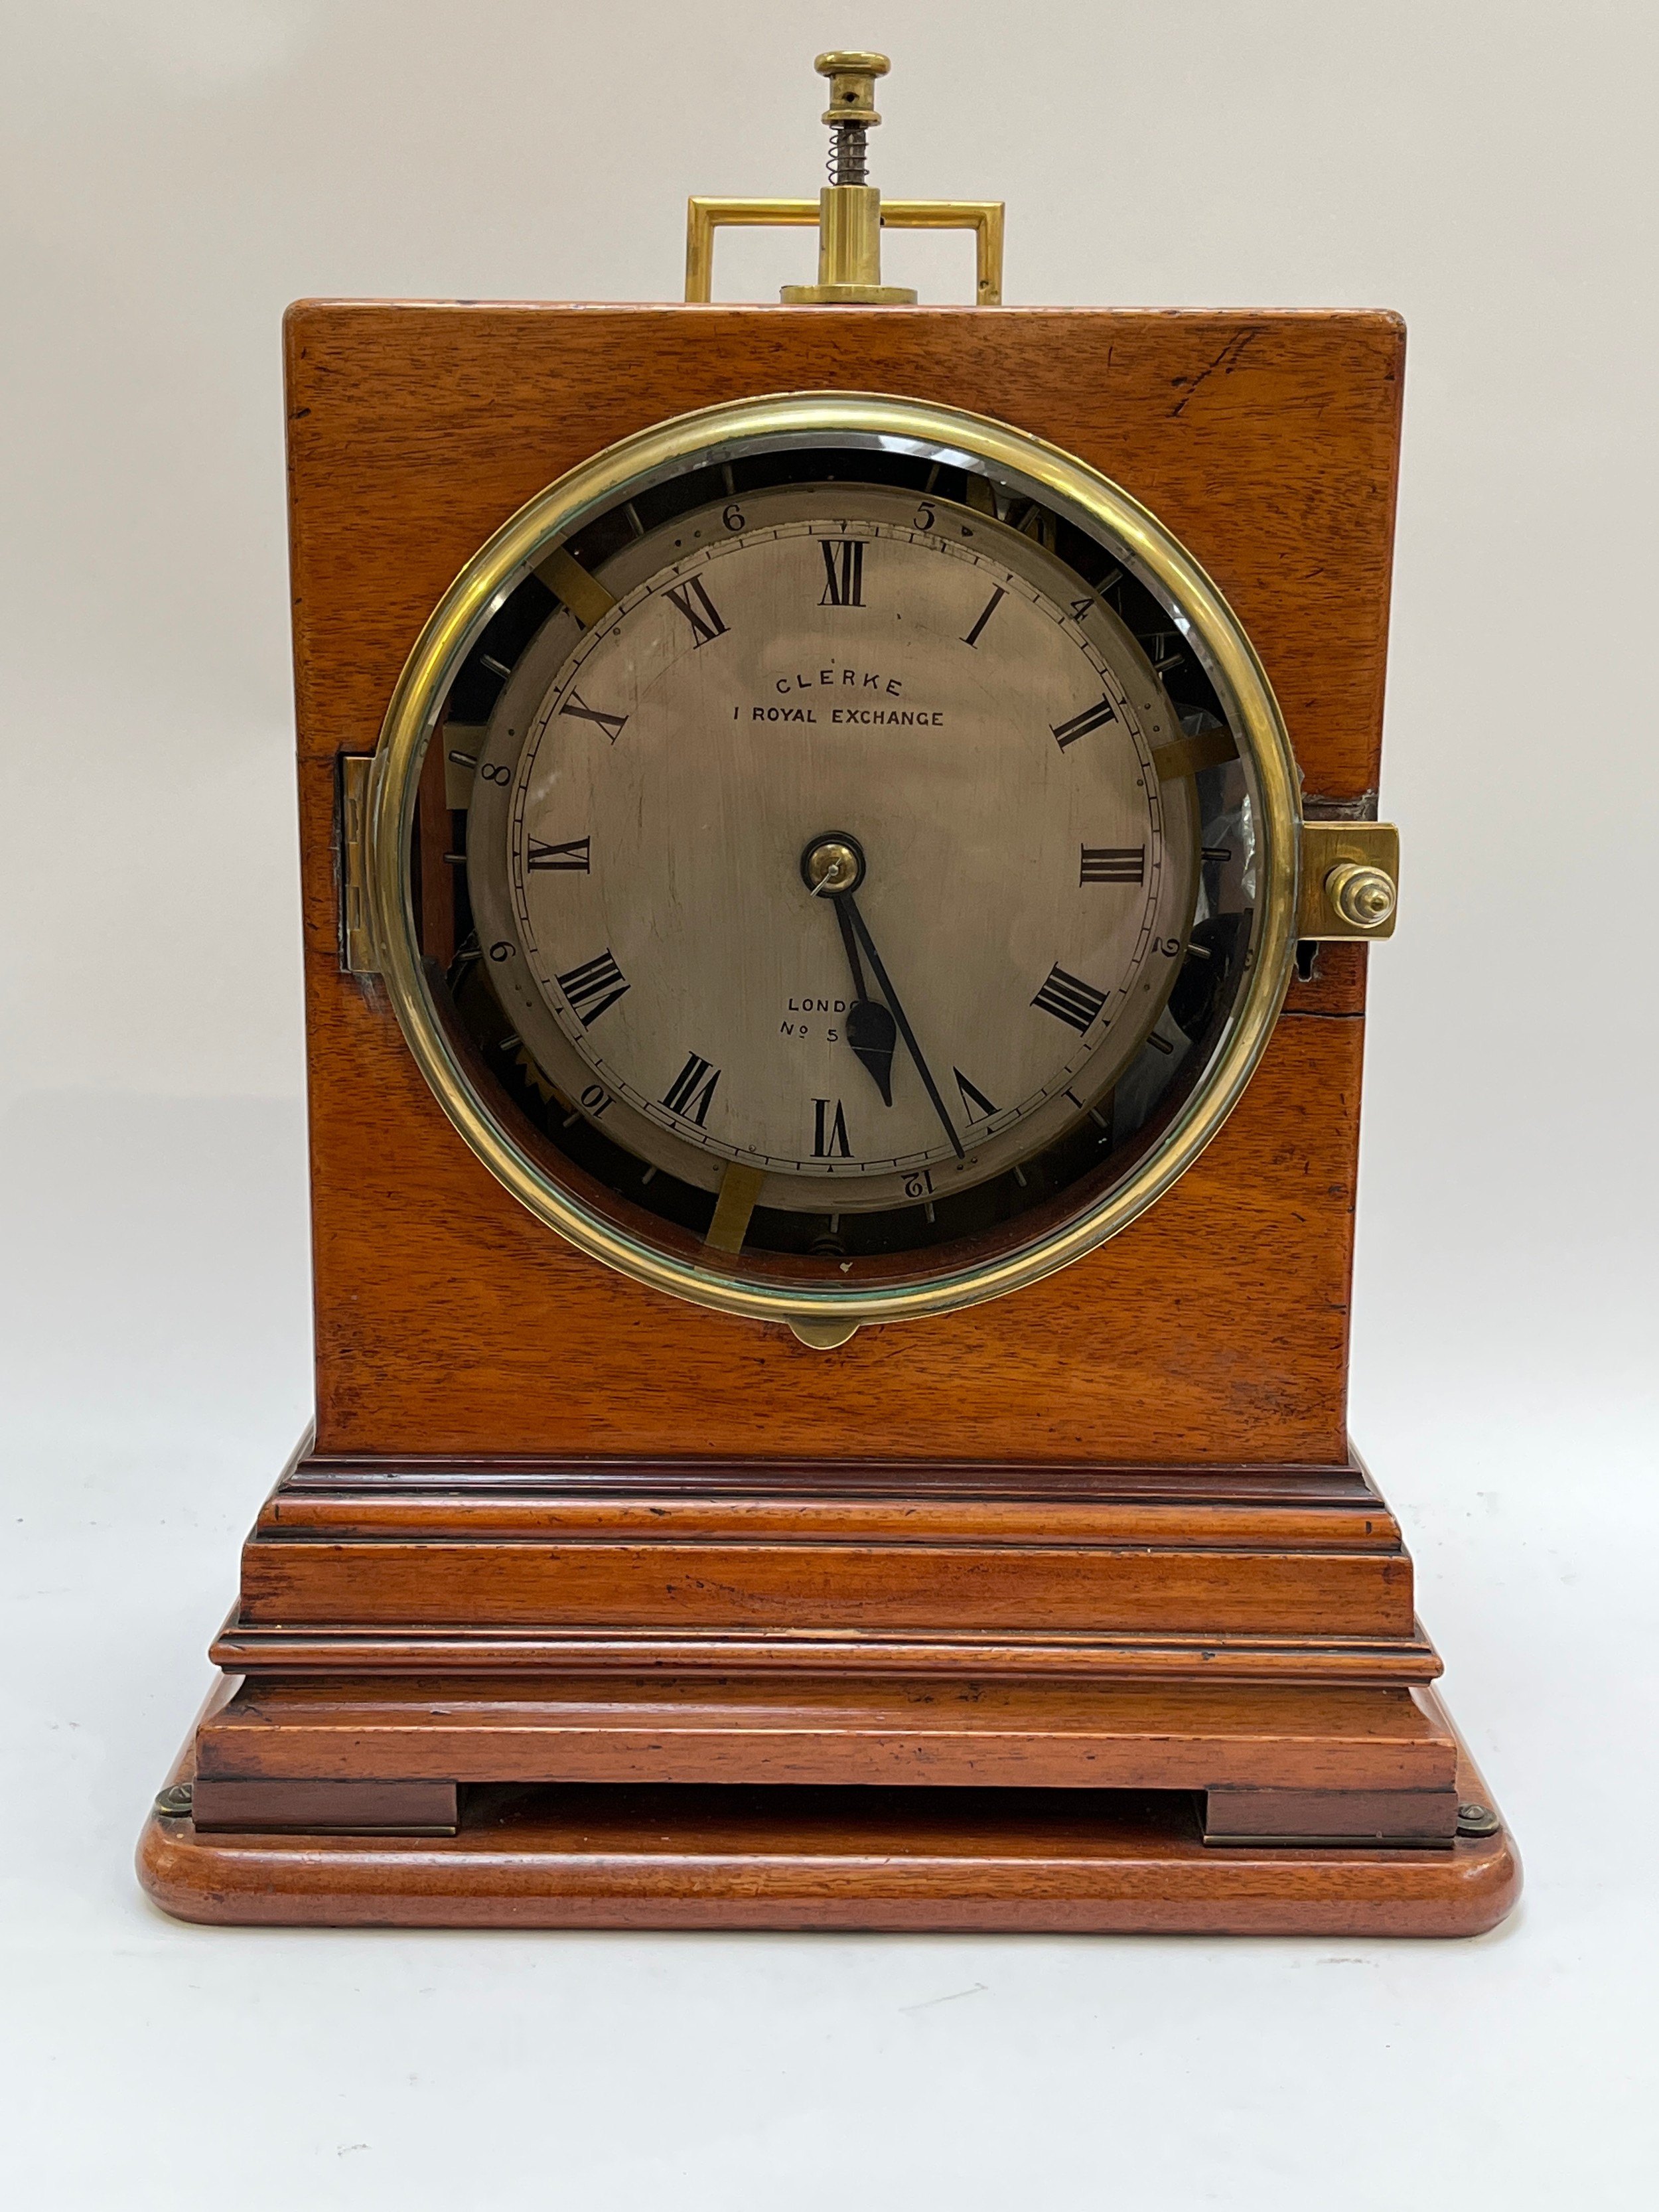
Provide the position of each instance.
(357, 953)
(1350, 880)
(849, 212)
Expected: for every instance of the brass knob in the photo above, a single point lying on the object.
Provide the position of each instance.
(853, 87)
(1364, 896)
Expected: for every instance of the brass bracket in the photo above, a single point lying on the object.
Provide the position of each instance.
(358, 955)
(849, 212)
(1350, 880)
(983, 217)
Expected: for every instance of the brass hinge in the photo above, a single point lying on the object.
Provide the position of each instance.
(1350, 880)
(357, 954)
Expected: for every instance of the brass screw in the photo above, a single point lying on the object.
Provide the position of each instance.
(1364, 896)
(1474, 1819)
(174, 1803)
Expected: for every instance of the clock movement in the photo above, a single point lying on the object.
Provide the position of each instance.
(839, 847)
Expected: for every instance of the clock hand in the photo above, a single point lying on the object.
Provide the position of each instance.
(829, 866)
(871, 1029)
(834, 865)
(844, 900)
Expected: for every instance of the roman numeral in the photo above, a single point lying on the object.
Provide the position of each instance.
(683, 1095)
(573, 855)
(692, 600)
(1069, 998)
(829, 1133)
(975, 1103)
(1080, 725)
(972, 637)
(594, 987)
(613, 725)
(1112, 863)
(843, 572)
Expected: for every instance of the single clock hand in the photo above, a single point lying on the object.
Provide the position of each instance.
(846, 899)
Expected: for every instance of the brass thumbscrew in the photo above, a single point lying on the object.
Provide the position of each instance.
(852, 111)
(1362, 895)
(849, 206)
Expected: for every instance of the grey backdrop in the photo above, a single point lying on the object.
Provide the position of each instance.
(174, 171)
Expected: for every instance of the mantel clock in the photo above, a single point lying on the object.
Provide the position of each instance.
(839, 847)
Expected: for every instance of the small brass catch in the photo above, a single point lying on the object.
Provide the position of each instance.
(1350, 880)
(824, 1335)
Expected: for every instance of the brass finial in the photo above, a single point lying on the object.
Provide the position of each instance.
(853, 89)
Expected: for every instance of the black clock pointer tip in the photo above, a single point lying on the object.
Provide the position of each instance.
(873, 1035)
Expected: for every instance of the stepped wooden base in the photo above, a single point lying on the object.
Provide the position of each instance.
(650, 1694)
(1361, 1807)
(586, 1856)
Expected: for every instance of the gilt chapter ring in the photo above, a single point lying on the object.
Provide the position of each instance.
(711, 435)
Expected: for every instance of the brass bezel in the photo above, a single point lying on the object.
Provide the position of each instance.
(714, 434)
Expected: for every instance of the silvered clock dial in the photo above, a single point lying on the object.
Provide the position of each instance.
(836, 848)
(872, 857)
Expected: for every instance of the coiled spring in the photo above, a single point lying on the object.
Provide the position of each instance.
(849, 162)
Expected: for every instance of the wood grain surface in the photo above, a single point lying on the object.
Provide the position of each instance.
(675, 1651)
(1066, 1862)
(1266, 442)
(763, 1555)
(950, 1734)
(448, 1321)
(717, 1586)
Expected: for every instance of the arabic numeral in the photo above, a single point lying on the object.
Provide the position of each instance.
(733, 517)
(597, 1099)
(919, 1186)
(495, 772)
(924, 518)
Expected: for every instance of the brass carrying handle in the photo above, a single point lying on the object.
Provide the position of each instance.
(983, 217)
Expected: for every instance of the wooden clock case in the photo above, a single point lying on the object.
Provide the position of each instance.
(584, 1606)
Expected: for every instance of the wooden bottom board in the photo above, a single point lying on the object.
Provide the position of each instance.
(726, 1857)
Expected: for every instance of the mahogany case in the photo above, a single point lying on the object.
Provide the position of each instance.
(556, 1532)
(447, 1320)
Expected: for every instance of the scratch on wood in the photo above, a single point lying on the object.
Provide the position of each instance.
(1223, 365)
